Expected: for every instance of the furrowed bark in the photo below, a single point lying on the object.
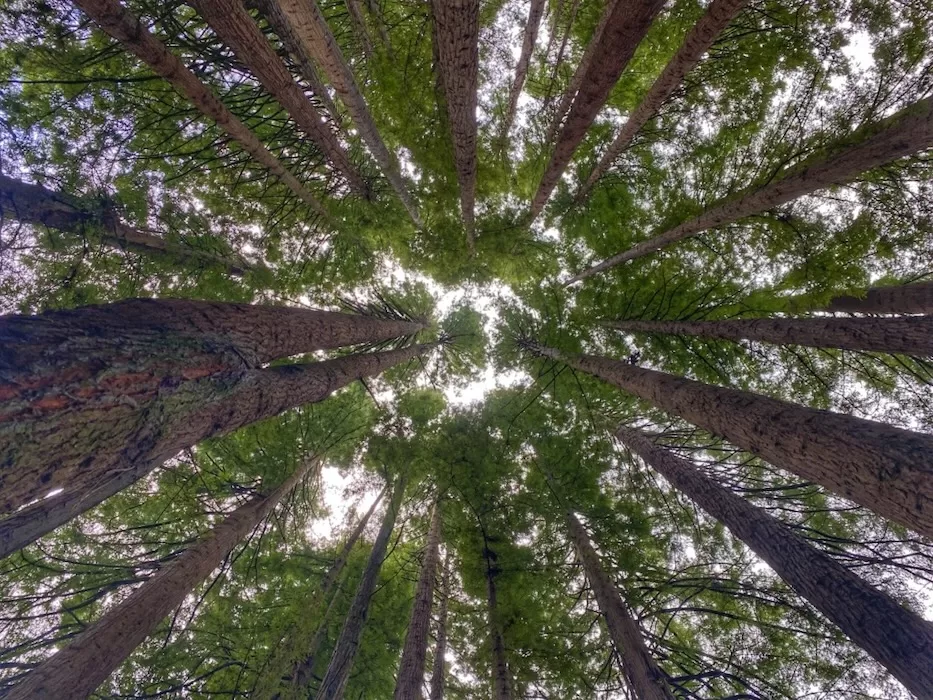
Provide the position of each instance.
(910, 335)
(236, 28)
(440, 649)
(501, 678)
(625, 27)
(535, 12)
(123, 26)
(698, 41)
(415, 650)
(916, 298)
(905, 133)
(75, 671)
(645, 679)
(316, 39)
(341, 663)
(898, 639)
(878, 466)
(457, 33)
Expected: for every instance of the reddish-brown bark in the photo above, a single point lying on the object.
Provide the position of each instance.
(916, 298)
(439, 672)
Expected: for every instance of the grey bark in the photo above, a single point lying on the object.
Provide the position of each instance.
(535, 12)
(916, 298)
(439, 672)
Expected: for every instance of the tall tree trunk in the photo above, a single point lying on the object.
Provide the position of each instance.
(535, 12)
(910, 335)
(107, 432)
(625, 27)
(338, 670)
(645, 679)
(905, 133)
(76, 670)
(236, 28)
(501, 679)
(37, 205)
(414, 653)
(895, 637)
(456, 25)
(883, 468)
(316, 39)
(916, 298)
(122, 25)
(355, 11)
(698, 41)
(440, 649)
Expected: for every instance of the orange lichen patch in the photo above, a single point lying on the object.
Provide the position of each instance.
(52, 403)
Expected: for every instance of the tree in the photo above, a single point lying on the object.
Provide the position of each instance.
(535, 13)
(501, 680)
(915, 298)
(440, 649)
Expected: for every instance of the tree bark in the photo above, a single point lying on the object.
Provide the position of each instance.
(625, 27)
(905, 133)
(878, 466)
(313, 34)
(75, 671)
(535, 12)
(910, 335)
(456, 25)
(698, 41)
(644, 678)
(123, 26)
(440, 649)
(414, 653)
(359, 26)
(916, 298)
(501, 679)
(338, 670)
(895, 637)
(236, 28)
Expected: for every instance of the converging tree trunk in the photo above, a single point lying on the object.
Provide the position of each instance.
(415, 651)
(905, 133)
(355, 10)
(880, 467)
(456, 24)
(122, 25)
(898, 639)
(501, 678)
(311, 30)
(645, 679)
(535, 12)
(916, 298)
(341, 662)
(910, 335)
(236, 28)
(439, 672)
(625, 27)
(698, 41)
(75, 671)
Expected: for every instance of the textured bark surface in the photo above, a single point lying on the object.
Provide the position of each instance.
(645, 679)
(456, 25)
(501, 678)
(415, 650)
(625, 27)
(439, 672)
(535, 12)
(236, 28)
(35, 204)
(911, 335)
(75, 671)
(897, 638)
(316, 39)
(883, 468)
(341, 663)
(359, 26)
(123, 26)
(699, 39)
(914, 298)
(905, 133)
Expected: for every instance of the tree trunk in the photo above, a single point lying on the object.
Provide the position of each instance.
(535, 12)
(645, 679)
(457, 32)
(501, 679)
(916, 298)
(341, 663)
(359, 26)
(236, 28)
(878, 466)
(309, 27)
(698, 41)
(895, 637)
(122, 25)
(905, 133)
(107, 431)
(556, 121)
(76, 670)
(440, 649)
(625, 27)
(909, 335)
(414, 653)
